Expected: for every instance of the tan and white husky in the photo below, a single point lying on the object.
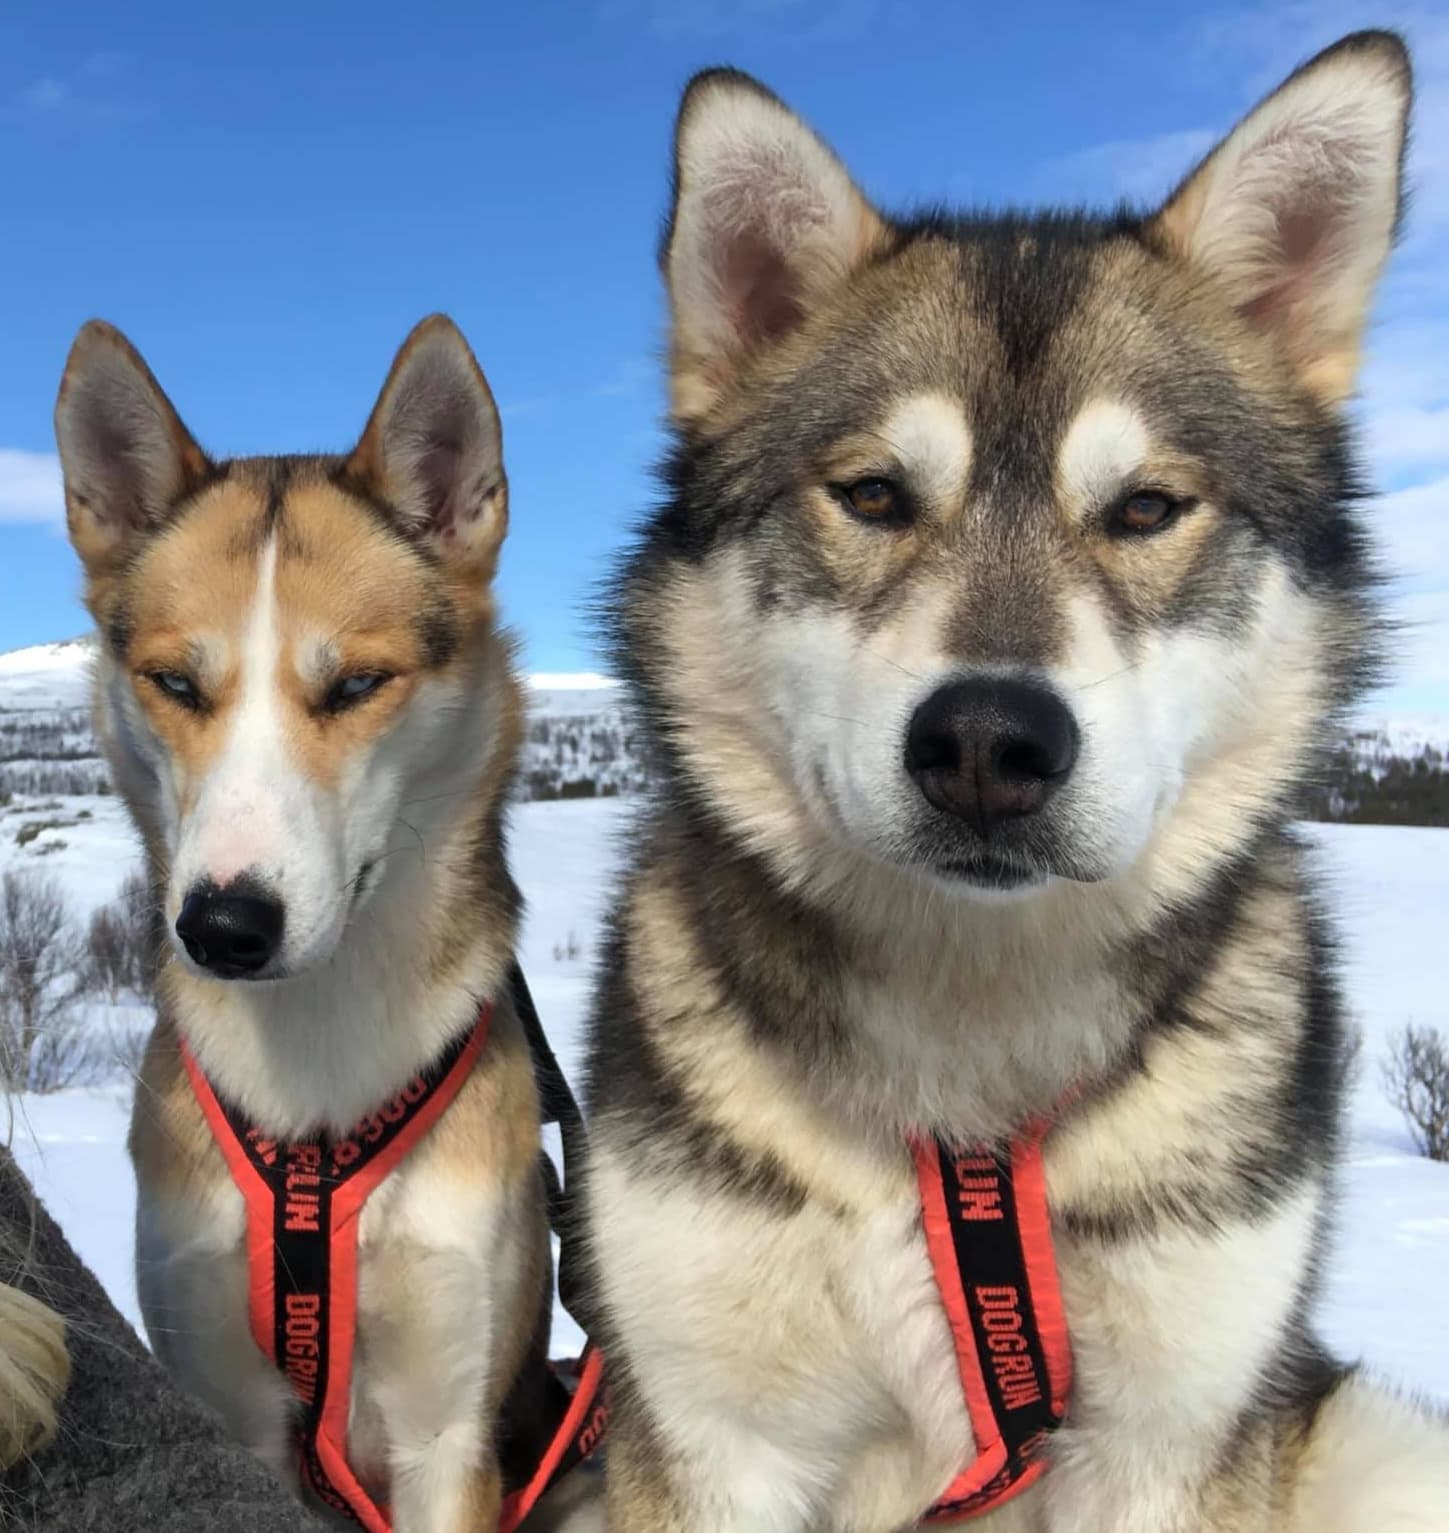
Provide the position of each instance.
(311, 713)
(1008, 580)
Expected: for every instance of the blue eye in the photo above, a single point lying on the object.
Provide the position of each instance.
(352, 689)
(180, 689)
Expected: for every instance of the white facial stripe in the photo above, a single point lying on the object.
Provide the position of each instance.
(243, 810)
(1104, 447)
(931, 437)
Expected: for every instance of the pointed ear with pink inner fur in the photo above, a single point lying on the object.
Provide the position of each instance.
(126, 458)
(1294, 213)
(433, 449)
(766, 220)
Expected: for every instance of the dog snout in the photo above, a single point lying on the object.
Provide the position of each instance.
(991, 749)
(232, 932)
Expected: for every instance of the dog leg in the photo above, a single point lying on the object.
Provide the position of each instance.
(638, 1495)
(448, 1483)
(1171, 1336)
(195, 1309)
(428, 1359)
(1370, 1461)
(574, 1505)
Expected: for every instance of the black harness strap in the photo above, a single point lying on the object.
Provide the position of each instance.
(558, 1106)
(989, 1237)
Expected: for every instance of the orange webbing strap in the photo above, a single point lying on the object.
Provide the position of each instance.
(304, 1200)
(577, 1436)
(303, 1203)
(989, 1236)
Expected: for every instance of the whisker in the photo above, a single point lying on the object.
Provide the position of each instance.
(886, 660)
(1111, 676)
(838, 718)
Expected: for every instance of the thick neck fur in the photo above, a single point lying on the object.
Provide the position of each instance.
(430, 942)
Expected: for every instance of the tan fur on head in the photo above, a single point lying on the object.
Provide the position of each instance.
(1295, 211)
(766, 221)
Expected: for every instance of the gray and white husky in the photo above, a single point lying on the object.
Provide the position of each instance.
(1008, 582)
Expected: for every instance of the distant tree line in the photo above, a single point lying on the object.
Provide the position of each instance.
(1363, 788)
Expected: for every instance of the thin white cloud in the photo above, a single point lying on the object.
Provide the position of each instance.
(1139, 170)
(1419, 655)
(97, 89)
(46, 95)
(30, 487)
(629, 376)
(1411, 527)
(1409, 438)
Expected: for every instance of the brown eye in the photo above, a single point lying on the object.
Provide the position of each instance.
(1144, 511)
(873, 500)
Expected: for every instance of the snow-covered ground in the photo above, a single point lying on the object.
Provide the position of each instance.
(1390, 1270)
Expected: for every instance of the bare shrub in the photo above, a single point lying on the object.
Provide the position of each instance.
(43, 1045)
(123, 1050)
(1416, 1076)
(121, 943)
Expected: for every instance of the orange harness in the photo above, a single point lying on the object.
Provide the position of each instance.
(303, 1202)
(989, 1236)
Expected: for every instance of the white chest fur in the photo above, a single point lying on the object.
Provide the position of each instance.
(806, 1360)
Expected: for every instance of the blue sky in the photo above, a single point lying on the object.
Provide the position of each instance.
(266, 198)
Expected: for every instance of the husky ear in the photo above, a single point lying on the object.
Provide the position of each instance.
(433, 448)
(125, 455)
(766, 220)
(1295, 211)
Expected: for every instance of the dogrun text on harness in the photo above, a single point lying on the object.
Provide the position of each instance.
(304, 1201)
(989, 1236)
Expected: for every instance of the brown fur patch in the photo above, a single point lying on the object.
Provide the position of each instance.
(170, 1143)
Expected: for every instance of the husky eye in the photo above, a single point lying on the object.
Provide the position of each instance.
(1144, 511)
(179, 688)
(873, 500)
(352, 689)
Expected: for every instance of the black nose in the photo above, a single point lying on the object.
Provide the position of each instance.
(231, 931)
(990, 749)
